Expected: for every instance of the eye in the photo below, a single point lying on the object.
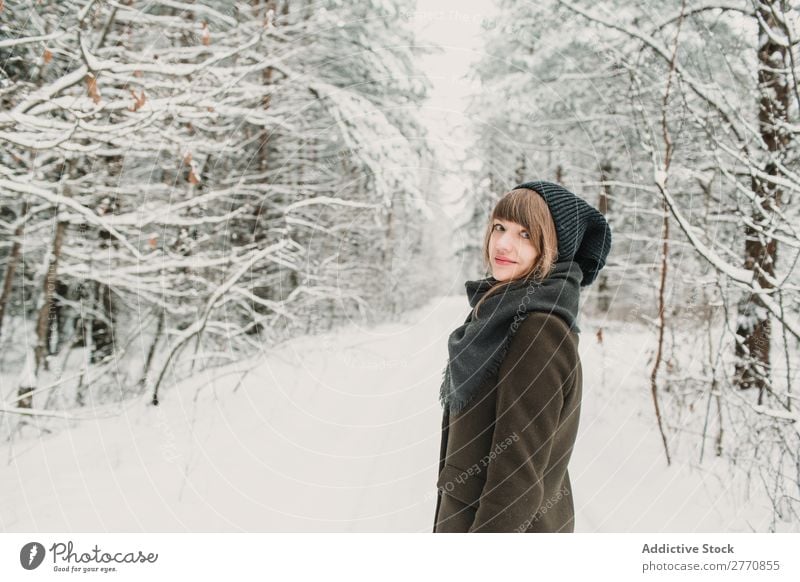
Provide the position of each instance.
(496, 224)
(526, 234)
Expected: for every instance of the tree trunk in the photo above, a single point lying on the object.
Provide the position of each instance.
(261, 211)
(604, 301)
(522, 169)
(149, 362)
(29, 381)
(11, 264)
(46, 311)
(753, 330)
(103, 328)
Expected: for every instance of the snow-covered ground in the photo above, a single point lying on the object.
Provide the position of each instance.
(340, 432)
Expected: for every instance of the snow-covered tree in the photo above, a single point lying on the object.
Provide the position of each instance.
(183, 183)
(682, 118)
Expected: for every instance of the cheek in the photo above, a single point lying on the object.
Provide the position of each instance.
(530, 256)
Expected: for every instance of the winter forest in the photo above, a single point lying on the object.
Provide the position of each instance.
(235, 236)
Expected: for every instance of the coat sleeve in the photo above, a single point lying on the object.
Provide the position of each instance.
(539, 361)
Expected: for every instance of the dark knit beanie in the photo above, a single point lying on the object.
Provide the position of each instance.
(583, 233)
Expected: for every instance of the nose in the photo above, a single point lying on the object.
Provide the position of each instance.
(503, 243)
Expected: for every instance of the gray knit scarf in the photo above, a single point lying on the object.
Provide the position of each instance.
(477, 348)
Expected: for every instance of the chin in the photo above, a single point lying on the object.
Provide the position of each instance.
(501, 276)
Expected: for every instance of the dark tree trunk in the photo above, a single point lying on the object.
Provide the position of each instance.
(149, 363)
(44, 318)
(46, 311)
(102, 327)
(11, 264)
(753, 329)
(604, 301)
(522, 169)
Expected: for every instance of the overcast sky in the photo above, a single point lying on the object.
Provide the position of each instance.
(455, 25)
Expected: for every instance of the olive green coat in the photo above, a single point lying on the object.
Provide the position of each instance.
(503, 459)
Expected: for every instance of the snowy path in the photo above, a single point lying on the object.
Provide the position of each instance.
(341, 433)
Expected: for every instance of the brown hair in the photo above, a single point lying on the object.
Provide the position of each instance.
(528, 209)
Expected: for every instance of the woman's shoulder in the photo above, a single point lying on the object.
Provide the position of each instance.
(542, 332)
(543, 353)
(537, 322)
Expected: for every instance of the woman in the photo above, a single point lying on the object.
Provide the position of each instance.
(512, 386)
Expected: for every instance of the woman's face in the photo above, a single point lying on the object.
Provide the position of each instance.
(511, 250)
